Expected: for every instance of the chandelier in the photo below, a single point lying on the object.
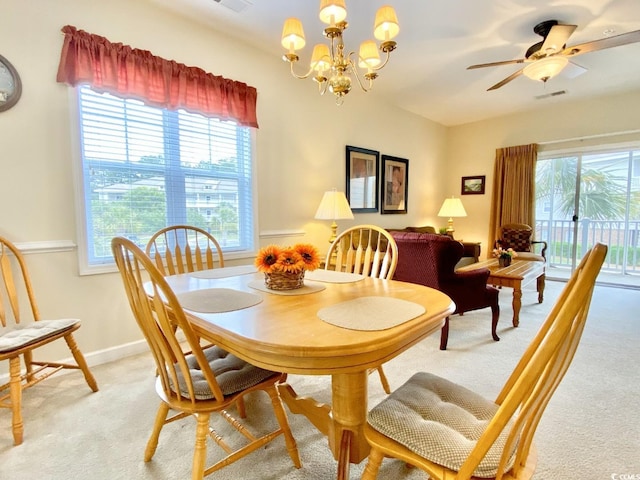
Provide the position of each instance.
(330, 66)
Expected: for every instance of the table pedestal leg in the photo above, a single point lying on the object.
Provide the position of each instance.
(516, 304)
(349, 412)
(343, 422)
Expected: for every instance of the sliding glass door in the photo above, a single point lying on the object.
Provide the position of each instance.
(588, 197)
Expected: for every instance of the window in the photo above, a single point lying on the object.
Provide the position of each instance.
(143, 168)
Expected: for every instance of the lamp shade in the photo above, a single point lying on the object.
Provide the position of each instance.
(332, 11)
(293, 34)
(334, 206)
(386, 25)
(545, 68)
(320, 58)
(369, 56)
(452, 207)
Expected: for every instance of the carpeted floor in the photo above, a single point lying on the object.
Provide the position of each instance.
(590, 431)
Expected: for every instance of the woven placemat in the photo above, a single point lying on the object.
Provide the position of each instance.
(225, 272)
(371, 313)
(308, 287)
(217, 300)
(331, 276)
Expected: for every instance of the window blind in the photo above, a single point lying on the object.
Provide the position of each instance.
(144, 168)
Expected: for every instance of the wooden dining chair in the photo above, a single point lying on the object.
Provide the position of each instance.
(21, 335)
(192, 380)
(183, 248)
(367, 250)
(451, 432)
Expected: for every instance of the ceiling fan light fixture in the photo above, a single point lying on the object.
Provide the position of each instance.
(545, 68)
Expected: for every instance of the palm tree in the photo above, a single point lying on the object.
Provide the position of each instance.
(602, 193)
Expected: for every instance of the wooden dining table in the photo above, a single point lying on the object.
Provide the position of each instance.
(291, 332)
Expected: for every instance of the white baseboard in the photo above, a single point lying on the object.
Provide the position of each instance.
(107, 355)
(101, 357)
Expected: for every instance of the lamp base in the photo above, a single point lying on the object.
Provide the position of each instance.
(334, 232)
(450, 229)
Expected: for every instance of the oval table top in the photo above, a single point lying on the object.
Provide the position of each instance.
(283, 332)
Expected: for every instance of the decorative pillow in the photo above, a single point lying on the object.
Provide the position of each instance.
(519, 240)
(24, 334)
(232, 374)
(440, 421)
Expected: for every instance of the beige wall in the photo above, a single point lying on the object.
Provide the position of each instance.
(300, 148)
(471, 148)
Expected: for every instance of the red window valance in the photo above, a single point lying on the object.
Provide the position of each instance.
(122, 70)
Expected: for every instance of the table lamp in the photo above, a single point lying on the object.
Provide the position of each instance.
(452, 207)
(333, 206)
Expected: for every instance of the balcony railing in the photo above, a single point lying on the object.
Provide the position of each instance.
(623, 239)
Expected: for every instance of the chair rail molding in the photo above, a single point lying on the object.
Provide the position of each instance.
(282, 233)
(47, 246)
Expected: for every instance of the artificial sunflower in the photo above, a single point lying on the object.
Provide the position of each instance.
(267, 259)
(290, 261)
(309, 254)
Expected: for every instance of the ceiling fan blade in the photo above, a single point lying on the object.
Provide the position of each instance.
(495, 64)
(557, 38)
(506, 80)
(610, 42)
(572, 70)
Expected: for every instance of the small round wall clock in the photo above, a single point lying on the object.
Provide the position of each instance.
(10, 85)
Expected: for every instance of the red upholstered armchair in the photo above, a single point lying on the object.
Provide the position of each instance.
(430, 259)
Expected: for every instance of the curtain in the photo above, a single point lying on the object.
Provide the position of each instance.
(122, 70)
(513, 199)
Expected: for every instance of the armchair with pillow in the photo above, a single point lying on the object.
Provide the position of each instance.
(518, 236)
(430, 260)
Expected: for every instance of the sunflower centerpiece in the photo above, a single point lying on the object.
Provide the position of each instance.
(284, 267)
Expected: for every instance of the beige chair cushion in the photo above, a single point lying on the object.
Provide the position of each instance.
(440, 421)
(529, 256)
(232, 374)
(24, 334)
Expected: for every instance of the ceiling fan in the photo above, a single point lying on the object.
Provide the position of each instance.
(547, 58)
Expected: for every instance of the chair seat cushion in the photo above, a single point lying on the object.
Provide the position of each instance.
(24, 334)
(440, 421)
(232, 374)
(530, 256)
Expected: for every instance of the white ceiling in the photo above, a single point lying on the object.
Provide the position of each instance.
(438, 39)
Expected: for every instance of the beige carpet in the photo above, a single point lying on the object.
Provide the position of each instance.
(591, 429)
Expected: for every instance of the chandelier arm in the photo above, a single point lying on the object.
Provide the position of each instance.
(382, 65)
(300, 77)
(354, 69)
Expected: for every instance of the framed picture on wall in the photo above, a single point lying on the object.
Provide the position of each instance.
(472, 185)
(362, 179)
(395, 184)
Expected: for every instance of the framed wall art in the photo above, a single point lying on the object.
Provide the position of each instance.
(10, 85)
(395, 184)
(472, 185)
(362, 179)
